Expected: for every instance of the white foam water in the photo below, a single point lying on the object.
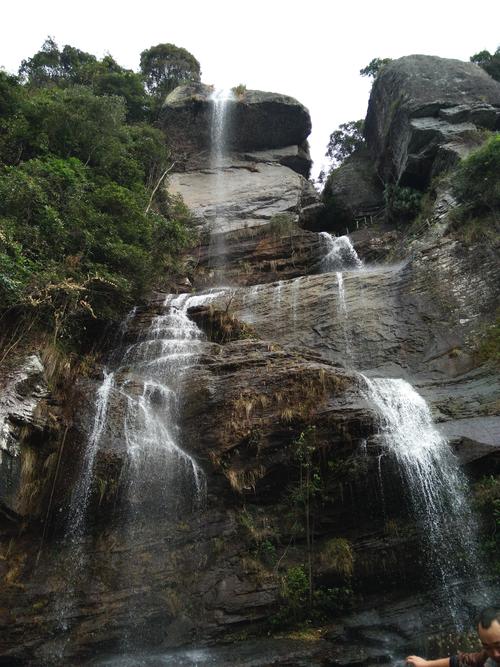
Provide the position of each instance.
(220, 99)
(437, 489)
(340, 255)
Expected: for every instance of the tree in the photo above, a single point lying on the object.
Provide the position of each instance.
(305, 492)
(107, 77)
(84, 232)
(374, 67)
(44, 67)
(165, 66)
(489, 62)
(344, 141)
(71, 66)
(52, 66)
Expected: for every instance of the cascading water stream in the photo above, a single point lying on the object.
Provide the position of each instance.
(81, 492)
(340, 256)
(145, 391)
(152, 391)
(76, 559)
(220, 99)
(437, 488)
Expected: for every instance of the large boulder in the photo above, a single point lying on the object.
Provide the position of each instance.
(255, 120)
(420, 103)
(355, 188)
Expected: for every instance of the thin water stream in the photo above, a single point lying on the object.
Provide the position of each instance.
(221, 99)
(340, 256)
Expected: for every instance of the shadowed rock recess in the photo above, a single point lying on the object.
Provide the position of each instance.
(253, 383)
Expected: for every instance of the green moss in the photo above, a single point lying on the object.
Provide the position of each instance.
(489, 347)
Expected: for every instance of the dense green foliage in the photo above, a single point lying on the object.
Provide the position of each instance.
(402, 203)
(54, 67)
(490, 62)
(84, 231)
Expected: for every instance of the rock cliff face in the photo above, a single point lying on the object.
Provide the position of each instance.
(357, 189)
(282, 346)
(23, 388)
(247, 205)
(256, 120)
(420, 108)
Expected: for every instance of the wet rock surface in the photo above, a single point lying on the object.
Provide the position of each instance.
(251, 227)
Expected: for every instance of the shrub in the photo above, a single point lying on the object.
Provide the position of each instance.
(476, 183)
(337, 555)
(282, 224)
(374, 67)
(239, 90)
(402, 203)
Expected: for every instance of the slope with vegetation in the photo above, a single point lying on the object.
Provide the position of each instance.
(85, 231)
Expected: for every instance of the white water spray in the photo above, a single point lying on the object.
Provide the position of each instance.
(80, 496)
(138, 405)
(437, 488)
(220, 99)
(340, 256)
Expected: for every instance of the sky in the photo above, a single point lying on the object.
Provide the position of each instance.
(309, 49)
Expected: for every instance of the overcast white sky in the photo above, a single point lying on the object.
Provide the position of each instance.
(310, 49)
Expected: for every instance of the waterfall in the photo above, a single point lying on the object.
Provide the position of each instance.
(80, 496)
(137, 407)
(437, 489)
(340, 255)
(75, 563)
(220, 118)
(277, 295)
(158, 465)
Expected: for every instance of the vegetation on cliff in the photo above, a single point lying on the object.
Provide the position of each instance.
(490, 62)
(476, 182)
(85, 229)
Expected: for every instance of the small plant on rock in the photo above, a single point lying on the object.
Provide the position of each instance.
(239, 91)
